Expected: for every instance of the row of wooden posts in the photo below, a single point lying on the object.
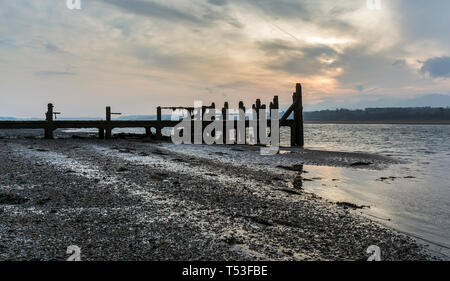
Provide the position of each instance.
(106, 126)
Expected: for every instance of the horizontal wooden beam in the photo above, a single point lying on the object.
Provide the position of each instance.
(88, 124)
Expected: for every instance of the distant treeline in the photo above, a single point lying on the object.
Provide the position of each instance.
(379, 114)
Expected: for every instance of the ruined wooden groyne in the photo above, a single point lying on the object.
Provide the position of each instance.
(106, 126)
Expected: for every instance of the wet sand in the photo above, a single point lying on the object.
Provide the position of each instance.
(145, 200)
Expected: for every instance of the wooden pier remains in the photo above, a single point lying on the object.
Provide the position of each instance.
(106, 126)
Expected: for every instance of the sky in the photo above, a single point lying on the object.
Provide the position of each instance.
(134, 55)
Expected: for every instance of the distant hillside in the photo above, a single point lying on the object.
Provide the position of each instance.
(8, 119)
(429, 100)
(380, 114)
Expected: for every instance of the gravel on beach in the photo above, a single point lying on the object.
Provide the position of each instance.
(143, 200)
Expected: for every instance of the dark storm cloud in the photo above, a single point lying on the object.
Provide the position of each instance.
(437, 67)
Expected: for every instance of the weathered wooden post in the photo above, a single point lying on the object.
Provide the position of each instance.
(108, 121)
(294, 123)
(254, 134)
(275, 102)
(225, 119)
(273, 105)
(257, 108)
(213, 118)
(240, 125)
(298, 116)
(202, 119)
(101, 133)
(49, 118)
(264, 116)
(159, 125)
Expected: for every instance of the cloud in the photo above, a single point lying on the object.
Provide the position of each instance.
(152, 9)
(399, 63)
(359, 87)
(422, 21)
(290, 9)
(54, 49)
(218, 2)
(437, 67)
(7, 43)
(192, 14)
(296, 59)
(235, 84)
(339, 50)
(54, 73)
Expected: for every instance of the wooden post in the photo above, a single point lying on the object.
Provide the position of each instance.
(159, 125)
(108, 120)
(298, 116)
(49, 119)
(202, 118)
(253, 138)
(225, 119)
(148, 131)
(213, 118)
(101, 133)
(273, 105)
(293, 141)
(258, 107)
(275, 102)
(240, 132)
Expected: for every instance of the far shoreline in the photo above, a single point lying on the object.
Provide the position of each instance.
(381, 122)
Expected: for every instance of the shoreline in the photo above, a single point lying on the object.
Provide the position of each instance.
(387, 122)
(135, 200)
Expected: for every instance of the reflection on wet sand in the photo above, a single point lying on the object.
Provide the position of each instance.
(389, 193)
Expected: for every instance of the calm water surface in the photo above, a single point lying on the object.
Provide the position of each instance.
(414, 198)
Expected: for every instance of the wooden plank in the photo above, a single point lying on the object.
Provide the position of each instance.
(93, 124)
